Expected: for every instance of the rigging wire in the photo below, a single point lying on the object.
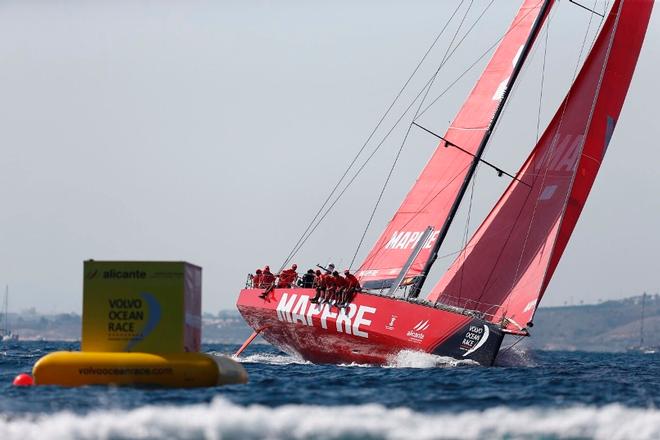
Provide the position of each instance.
(520, 338)
(373, 132)
(405, 137)
(303, 239)
(486, 52)
(477, 61)
(318, 222)
(466, 232)
(465, 247)
(548, 157)
(545, 55)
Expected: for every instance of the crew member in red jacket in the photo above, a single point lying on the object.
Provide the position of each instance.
(340, 286)
(352, 286)
(288, 277)
(319, 285)
(267, 282)
(257, 279)
(330, 287)
(267, 277)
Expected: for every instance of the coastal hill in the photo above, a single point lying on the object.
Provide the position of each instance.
(608, 326)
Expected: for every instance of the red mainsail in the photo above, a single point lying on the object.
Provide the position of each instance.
(507, 265)
(430, 200)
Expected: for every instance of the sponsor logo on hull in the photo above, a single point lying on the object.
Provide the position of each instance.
(474, 339)
(390, 325)
(416, 335)
(299, 310)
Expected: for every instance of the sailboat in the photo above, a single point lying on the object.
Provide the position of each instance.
(497, 280)
(7, 334)
(642, 348)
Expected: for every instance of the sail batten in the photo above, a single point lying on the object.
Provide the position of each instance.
(433, 199)
(511, 258)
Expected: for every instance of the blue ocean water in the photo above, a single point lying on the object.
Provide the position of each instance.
(528, 395)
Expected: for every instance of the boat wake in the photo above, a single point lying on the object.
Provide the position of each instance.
(223, 419)
(516, 357)
(271, 359)
(404, 359)
(419, 359)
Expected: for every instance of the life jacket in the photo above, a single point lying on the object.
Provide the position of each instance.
(352, 282)
(257, 280)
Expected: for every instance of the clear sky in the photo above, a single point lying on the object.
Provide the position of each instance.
(211, 131)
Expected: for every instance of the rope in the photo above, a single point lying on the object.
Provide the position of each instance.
(545, 54)
(512, 345)
(466, 234)
(405, 137)
(548, 158)
(308, 232)
(373, 132)
(319, 221)
(486, 52)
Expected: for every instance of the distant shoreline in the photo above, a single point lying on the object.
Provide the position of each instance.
(611, 326)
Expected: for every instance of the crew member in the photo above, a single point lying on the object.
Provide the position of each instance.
(257, 279)
(319, 284)
(307, 280)
(330, 288)
(352, 286)
(267, 278)
(267, 282)
(287, 277)
(340, 286)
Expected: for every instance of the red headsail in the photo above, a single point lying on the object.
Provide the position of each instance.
(429, 201)
(508, 263)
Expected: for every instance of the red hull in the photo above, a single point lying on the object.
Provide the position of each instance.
(371, 330)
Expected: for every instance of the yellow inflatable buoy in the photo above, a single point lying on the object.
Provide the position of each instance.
(181, 370)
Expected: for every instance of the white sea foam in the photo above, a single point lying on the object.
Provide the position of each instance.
(419, 359)
(221, 419)
(403, 359)
(270, 359)
(517, 356)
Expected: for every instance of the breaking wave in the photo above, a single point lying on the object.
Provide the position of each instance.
(222, 419)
